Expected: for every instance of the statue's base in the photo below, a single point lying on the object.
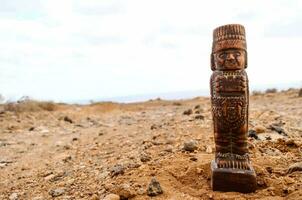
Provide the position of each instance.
(228, 179)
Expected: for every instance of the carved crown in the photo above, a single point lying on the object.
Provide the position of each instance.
(229, 36)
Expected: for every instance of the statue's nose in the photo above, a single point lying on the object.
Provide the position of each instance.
(230, 56)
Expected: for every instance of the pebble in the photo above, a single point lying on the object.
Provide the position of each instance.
(57, 192)
(201, 117)
(154, 188)
(253, 134)
(209, 149)
(95, 197)
(145, 157)
(188, 112)
(190, 145)
(67, 119)
(259, 129)
(169, 149)
(13, 196)
(294, 167)
(112, 197)
(117, 169)
(278, 129)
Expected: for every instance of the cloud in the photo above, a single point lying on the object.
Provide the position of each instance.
(76, 49)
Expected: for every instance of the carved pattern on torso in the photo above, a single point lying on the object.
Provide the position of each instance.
(229, 99)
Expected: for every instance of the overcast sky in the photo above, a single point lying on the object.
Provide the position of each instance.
(67, 50)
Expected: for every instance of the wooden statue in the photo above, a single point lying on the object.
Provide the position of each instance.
(231, 170)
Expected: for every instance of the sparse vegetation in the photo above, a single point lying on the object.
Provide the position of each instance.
(256, 92)
(271, 90)
(29, 106)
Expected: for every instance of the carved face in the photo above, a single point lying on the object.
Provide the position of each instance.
(230, 59)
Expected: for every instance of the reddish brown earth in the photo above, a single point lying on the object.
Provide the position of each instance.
(110, 148)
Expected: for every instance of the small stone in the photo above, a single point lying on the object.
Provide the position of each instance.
(57, 192)
(154, 188)
(201, 117)
(94, 197)
(253, 134)
(190, 145)
(13, 196)
(50, 177)
(294, 167)
(188, 112)
(112, 197)
(31, 128)
(193, 159)
(209, 149)
(67, 119)
(145, 157)
(199, 170)
(278, 129)
(197, 107)
(169, 149)
(259, 129)
(292, 143)
(117, 170)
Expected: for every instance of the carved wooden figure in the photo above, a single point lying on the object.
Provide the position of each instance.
(231, 169)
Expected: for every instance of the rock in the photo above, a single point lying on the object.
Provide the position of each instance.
(124, 191)
(253, 134)
(56, 192)
(169, 149)
(294, 167)
(31, 128)
(67, 119)
(154, 188)
(112, 197)
(197, 107)
(117, 170)
(13, 196)
(209, 149)
(154, 126)
(193, 159)
(50, 177)
(278, 129)
(188, 112)
(145, 157)
(95, 197)
(291, 143)
(259, 129)
(201, 117)
(190, 145)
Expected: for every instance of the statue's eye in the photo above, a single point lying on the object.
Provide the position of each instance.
(237, 54)
(222, 55)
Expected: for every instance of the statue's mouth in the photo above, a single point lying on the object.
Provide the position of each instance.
(230, 63)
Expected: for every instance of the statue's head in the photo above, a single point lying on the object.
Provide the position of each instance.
(229, 48)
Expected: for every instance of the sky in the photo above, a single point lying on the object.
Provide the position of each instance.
(67, 50)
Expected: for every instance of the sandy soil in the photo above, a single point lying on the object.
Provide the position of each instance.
(88, 152)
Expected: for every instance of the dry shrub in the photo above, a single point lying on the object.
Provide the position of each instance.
(256, 92)
(271, 90)
(30, 106)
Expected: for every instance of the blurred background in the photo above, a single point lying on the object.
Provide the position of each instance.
(78, 51)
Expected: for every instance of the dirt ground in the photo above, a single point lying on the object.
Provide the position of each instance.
(89, 152)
